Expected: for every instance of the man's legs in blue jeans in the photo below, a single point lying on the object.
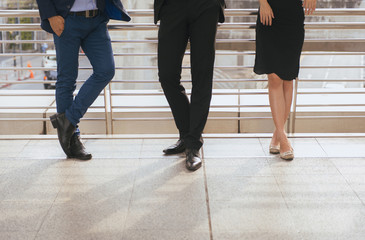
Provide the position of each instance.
(92, 35)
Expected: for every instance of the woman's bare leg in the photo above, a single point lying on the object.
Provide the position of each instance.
(288, 96)
(280, 96)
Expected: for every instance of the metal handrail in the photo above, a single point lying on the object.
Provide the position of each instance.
(186, 81)
(186, 53)
(183, 67)
(216, 93)
(360, 40)
(228, 12)
(224, 26)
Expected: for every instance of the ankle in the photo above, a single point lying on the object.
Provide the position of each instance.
(281, 135)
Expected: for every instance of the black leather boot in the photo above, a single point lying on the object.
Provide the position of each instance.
(65, 130)
(77, 149)
(176, 148)
(192, 161)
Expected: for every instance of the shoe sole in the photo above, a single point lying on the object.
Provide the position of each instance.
(274, 151)
(287, 158)
(81, 158)
(167, 152)
(170, 152)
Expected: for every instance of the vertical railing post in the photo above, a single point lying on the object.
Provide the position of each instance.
(111, 109)
(106, 112)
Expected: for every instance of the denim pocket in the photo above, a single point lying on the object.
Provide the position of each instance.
(64, 27)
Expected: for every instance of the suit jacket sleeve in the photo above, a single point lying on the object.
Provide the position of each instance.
(157, 7)
(46, 9)
(115, 10)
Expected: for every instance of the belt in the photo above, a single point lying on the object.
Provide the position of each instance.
(87, 13)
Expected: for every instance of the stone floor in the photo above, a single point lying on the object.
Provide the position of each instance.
(129, 190)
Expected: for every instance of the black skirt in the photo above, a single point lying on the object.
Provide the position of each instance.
(278, 47)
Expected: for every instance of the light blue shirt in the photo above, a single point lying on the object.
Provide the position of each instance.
(83, 5)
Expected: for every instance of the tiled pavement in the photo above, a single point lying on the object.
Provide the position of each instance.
(129, 190)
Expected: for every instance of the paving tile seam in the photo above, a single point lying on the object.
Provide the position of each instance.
(340, 173)
(43, 220)
(207, 196)
(132, 190)
(263, 149)
(321, 146)
(53, 203)
(281, 191)
(348, 183)
(23, 147)
(239, 157)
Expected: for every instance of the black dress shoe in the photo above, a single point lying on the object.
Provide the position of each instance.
(77, 149)
(176, 148)
(65, 130)
(192, 161)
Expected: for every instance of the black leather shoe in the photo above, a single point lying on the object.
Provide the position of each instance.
(176, 148)
(77, 149)
(192, 161)
(65, 130)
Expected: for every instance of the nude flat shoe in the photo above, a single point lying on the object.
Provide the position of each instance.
(289, 155)
(274, 149)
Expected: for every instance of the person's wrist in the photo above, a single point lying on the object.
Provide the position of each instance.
(263, 2)
(51, 18)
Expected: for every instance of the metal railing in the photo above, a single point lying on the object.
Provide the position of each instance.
(109, 106)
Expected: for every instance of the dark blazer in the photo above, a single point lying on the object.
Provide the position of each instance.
(158, 4)
(50, 8)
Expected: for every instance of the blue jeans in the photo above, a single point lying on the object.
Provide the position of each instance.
(92, 35)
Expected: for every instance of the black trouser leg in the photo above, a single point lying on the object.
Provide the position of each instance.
(172, 41)
(176, 27)
(202, 42)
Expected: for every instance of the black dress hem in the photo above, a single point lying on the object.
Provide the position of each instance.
(285, 78)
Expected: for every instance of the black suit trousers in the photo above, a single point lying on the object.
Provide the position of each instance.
(195, 22)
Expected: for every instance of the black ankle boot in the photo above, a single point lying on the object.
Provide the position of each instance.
(77, 149)
(65, 130)
(192, 161)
